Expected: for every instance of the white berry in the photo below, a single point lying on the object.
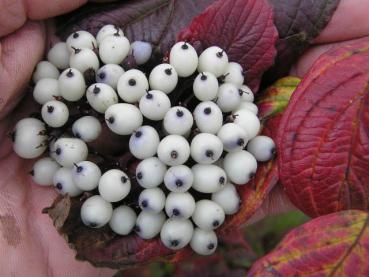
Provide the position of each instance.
(63, 182)
(247, 94)
(84, 59)
(109, 74)
(178, 178)
(101, 96)
(86, 175)
(178, 121)
(43, 171)
(45, 69)
(180, 205)
(80, 40)
(72, 84)
(174, 150)
(152, 200)
(87, 128)
(55, 113)
(262, 147)
(132, 85)
(248, 106)
(114, 185)
(208, 178)
(96, 212)
(240, 166)
(204, 242)
(208, 117)
(123, 220)
(154, 105)
(164, 78)
(208, 215)
(114, 49)
(144, 142)
(183, 58)
(205, 86)
(229, 97)
(233, 137)
(150, 172)
(69, 151)
(206, 148)
(108, 30)
(123, 119)
(58, 55)
(214, 60)
(248, 121)
(227, 198)
(45, 90)
(148, 225)
(176, 234)
(141, 51)
(234, 74)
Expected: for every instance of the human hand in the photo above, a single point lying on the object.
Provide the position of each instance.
(30, 244)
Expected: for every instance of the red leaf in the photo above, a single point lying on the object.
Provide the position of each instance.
(243, 28)
(332, 245)
(323, 139)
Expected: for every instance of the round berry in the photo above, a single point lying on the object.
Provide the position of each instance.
(208, 178)
(58, 55)
(154, 105)
(69, 151)
(123, 220)
(144, 142)
(72, 84)
(84, 59)
(176, 234)
(178, 178)
(208, 117)
(152, 200)
(96, 212)
(150, 172)
(123, 119)
(43, 171)
(45, 69)
(109, 74)
(240, 167)
(204, 242)
(114, 185)
(206, 148)
(247, 94)
(205, 86)
(173, 150)
(45, 90)
(248, 121)
(208, 215)
(227, 198)
(114, 49)
(164, 78)
(262, 147)
(132, 85)
(64, 184)
(55, 113)
(86, 128)
(214, 60)
(80, 40)
(101, 96)
(234, 74)
(248, 106)
(86, 175)
(233, 137)
(148, 225)
(180, 205)
(29, 138)
(178, 121)
(183, 58)
(106, 31)
(229, 97)
(141, 51)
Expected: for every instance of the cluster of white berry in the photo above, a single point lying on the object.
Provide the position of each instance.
(199, 151)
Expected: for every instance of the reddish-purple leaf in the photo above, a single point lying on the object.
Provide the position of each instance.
(323, 140)
(332, 245)
(243, 28)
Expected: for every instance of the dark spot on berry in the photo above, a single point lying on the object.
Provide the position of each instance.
(76, 50)
(77, 135)
(75, 35)
(168, 71)
(176, 212)
(273, 151)
(220, 54)
(102, 75)
(240, 91)
(50, 109)
(137, 229)
(93, 224)
(207, 110)
(144, 203)
(96, 90)
(184, 46)
(132, 82)
(251, 175)
(32, 173)
(174, 242)
(79, 169)
(70, 73)
(149, 96)
(240, 142)
(174, 154)
(203, 77)
(216, 223)
(138, 134)
(211, 246)
(209, 153)
(124, 179)
(111, 120)
(58, 151)
(179, 113)
(59, 186)
(222, 180)
(179, 183)
(139, 175)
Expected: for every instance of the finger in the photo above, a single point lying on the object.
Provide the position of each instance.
(13, 14)
(19, 53)
(349, 21)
